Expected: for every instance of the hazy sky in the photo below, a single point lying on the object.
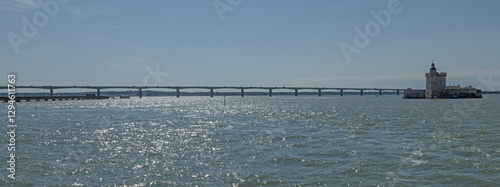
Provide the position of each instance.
(249, 42)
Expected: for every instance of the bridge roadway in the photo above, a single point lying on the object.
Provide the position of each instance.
(211, 88)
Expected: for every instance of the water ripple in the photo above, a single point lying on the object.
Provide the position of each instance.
(258, 141)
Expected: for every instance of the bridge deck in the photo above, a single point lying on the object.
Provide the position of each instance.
(210, 88)
(54, 98)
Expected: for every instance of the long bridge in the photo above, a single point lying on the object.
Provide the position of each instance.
(211, 88)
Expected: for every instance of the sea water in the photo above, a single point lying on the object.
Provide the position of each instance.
(257, 141)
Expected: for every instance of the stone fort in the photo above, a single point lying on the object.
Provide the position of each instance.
(436, 88)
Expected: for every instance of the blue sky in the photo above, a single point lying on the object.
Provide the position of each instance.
(258, 43)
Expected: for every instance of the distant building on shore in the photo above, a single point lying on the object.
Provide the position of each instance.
(436, 88)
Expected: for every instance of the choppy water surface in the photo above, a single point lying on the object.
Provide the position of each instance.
(253, 141)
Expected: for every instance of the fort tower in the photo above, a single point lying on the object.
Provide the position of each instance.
(435, 84)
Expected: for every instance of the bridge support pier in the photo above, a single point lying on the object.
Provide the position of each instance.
(140, 93)
(319, 92)
(380, 92)
(211, 92)
(397, 92)
(341, 92)
(98, 92)
(270, 92)
(361, 92)
(296, 92)
(51, 92)
(178, 93)
(242, 92)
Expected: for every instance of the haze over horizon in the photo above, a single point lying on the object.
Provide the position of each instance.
(249, 43)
